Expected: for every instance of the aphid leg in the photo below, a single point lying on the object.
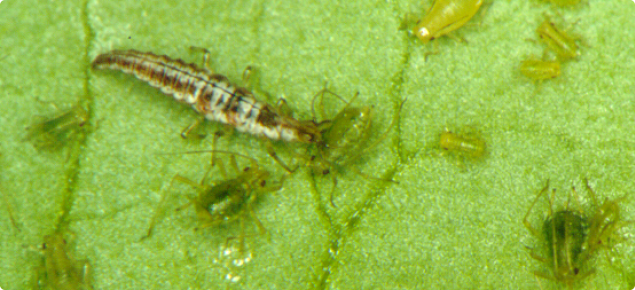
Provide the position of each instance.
(247, 73)
(86, 274)
(164, 199)
(591, 192)
(321, 93)
(11, 212)
(272, 152)
(434, 51)
(213, 159)
(185, 133)
(456, 38)
(528, 225)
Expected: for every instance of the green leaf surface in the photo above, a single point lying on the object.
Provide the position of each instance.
(449, 223)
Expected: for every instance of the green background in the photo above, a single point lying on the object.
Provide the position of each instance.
(448, 224)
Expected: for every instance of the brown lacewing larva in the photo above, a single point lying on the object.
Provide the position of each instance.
(539, 70)
(444, 17)
(210, 95)
(464, 145)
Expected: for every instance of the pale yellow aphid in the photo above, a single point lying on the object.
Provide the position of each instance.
(539, 70)
(444, 17)
(463, 145)
(557, 40)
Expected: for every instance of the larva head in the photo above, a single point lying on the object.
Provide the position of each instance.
(308, 132)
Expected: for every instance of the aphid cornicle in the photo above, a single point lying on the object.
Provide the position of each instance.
(445, 16)
(210, 95)
(539, 70)
(464, 145)
(60, 270)
(55, 132)
(557, 40)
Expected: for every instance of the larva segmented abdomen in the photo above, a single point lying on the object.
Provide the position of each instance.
(173, 77)
(209, 94)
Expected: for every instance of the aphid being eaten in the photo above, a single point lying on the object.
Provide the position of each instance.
(344, 138)
(557, 40)
(210, 95)
(55, 132)
(572, 237)
(445, 16)
(226, 200)
(463, 145)
(539, 70)
(60, 270)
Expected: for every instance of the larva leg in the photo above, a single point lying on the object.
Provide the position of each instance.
(206, 54)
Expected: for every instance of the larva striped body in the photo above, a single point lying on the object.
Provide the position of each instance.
(210, 94)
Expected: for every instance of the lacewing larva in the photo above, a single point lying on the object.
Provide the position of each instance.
(60, 269)
(54, 133)
(557, 40)
(445, 16)
(539, 70)
(210, 95)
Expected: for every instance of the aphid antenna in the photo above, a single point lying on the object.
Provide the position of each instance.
(321, 94)
(528, 225)
(383, 136)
